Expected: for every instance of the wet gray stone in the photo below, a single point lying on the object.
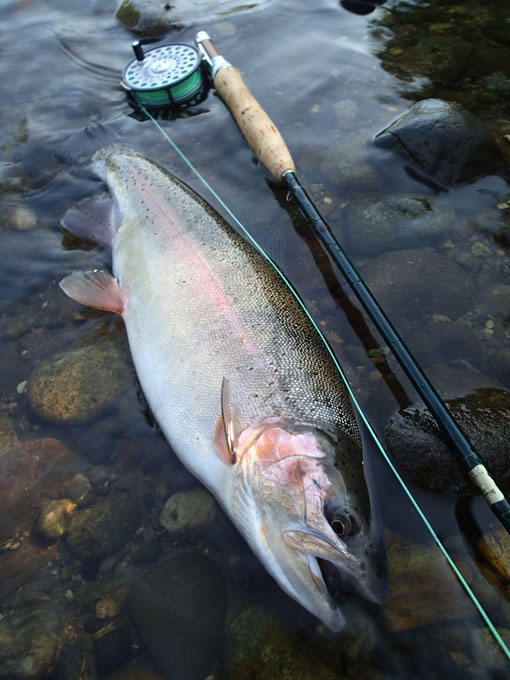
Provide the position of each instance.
(187, 511)
(30, 635)
(179, 612)
(500, 364)
(98, 531)
(417, 447)
(76, 385)
(443, 142)
(412, 284)
(146, 17)
(375, 224)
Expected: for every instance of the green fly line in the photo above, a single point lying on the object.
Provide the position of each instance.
(401, 481)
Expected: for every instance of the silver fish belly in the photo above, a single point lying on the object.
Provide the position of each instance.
(239, 380)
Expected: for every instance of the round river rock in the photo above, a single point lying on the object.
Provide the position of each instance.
(98, 531)
(444, 141)
(179, 611)
(186, 511)
(376, 224)
(76, 385)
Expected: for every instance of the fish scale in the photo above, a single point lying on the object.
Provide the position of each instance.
(202, 309)
(292, 355)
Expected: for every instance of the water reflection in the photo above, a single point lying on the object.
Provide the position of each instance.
(84, 608)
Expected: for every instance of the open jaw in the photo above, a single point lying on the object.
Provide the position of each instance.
(301, 556)
(297, 508)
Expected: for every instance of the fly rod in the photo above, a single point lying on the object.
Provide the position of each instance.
(268, 145)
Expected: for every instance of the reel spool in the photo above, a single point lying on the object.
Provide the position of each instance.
(168, 77)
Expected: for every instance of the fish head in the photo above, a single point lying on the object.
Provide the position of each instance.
(305, 509)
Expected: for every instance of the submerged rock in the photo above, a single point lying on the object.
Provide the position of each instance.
(53, 521)
(260, 646)
(179, 612)
(440, 340)
(106, 607)
(425, 591)
(8, 437)
(20, 562)
(493, 547)
(155, 17)
(30, 635)
(111, 651)
(188, 511)
(417, 446)
(100, 530)
(496, 299)
(79, 490)
(412, 284)
(443, 141)
(76, 385)
(30, 472)
(376, 224)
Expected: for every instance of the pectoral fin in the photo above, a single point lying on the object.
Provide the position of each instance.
(96, 289)
(227, 416)
(225, 435)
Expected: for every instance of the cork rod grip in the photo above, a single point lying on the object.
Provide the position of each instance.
(258, 129)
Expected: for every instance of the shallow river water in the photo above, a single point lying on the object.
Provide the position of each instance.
(92, 584)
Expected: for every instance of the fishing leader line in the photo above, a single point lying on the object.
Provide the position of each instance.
(414, 502)
(174, 76)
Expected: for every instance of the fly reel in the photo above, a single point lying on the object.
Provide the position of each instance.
(166, 78)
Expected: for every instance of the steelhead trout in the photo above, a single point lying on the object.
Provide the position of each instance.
(239, 380)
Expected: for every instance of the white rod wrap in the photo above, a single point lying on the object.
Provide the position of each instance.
(484, 481)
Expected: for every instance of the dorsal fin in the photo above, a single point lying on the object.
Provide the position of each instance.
(95, 288)
(227, 416)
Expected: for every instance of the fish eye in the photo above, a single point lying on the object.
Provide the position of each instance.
(343, 525)
(340, 525)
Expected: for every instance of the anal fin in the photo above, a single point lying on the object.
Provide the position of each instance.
(95, 288)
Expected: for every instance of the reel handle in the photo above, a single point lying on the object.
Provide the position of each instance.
(257, 128)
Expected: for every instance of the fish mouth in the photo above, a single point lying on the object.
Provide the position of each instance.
(301, 514)
(302, 578)
(305, 558)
